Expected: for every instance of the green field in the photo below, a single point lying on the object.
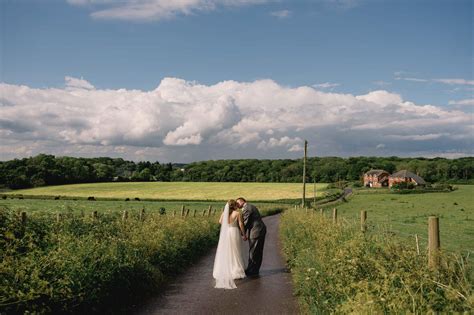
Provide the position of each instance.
(178, 190)
(107, 206)
(406, 215)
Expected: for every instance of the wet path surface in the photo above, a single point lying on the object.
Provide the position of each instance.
(193, 292)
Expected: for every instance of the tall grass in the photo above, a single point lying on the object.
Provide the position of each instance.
(336, 268)
(80, 263)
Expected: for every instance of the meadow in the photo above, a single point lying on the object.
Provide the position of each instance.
(407, 215)
(178, 190)
(109, 206)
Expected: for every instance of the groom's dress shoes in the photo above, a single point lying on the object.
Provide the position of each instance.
(251, 274)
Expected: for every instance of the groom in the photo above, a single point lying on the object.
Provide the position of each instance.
(256, 230)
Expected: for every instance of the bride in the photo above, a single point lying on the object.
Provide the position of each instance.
(229, 261)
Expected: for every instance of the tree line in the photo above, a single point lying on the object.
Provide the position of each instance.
(47, 169)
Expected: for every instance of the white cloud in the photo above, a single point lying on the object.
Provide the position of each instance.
(412, 79)
(455, 81)
(325, 85)
(75, 83)
(466, 102)
(187, 121)
(381, 83)
(140, 10)
(291, 144)
(282, 14)
(401, 75)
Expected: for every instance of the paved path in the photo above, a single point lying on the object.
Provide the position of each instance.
(193, 292)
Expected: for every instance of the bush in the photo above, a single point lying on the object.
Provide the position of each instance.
(80, 263)
(403, 185)
(337, 269)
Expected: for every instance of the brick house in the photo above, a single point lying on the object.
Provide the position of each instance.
(405, 176)
(376, 178)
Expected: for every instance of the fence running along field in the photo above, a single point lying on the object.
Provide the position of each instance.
(342, 265)
(429, 240)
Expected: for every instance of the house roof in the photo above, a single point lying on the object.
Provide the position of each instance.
(376, 172)
(405, 173)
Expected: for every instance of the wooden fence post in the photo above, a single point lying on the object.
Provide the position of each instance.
(187, 213)
(142, 215)
(321, 211)
(182, 211)
(204, 212)
(433, 242)
(194, 214)
(417, 245)
(125, 215)
(363, 220)
(23, 217)
(334, 215)
(209, 213)
(215, 211)
(58, 217)
(94, 214)
(174, 213)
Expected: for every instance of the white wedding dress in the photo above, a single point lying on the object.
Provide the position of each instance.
(229, 261)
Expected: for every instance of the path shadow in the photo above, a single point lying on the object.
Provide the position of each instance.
(263, 274)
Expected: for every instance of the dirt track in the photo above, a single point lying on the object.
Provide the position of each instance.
(193, 292)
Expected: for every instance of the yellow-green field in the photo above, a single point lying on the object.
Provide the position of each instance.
(179, 190)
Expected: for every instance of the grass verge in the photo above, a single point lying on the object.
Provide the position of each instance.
(338, 269)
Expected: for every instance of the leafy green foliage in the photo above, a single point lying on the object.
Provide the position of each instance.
(80, 262)
(45, 169)
(338, 269)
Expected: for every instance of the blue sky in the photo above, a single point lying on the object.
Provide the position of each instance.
(420, 50)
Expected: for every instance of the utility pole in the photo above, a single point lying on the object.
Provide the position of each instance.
(304, 173)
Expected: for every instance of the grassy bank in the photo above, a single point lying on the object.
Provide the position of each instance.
(336, 268)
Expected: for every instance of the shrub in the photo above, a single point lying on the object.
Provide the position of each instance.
(81, 263)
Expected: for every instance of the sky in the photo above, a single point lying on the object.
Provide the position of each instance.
(190, 80)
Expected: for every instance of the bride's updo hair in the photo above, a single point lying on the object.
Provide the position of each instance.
(232, 204)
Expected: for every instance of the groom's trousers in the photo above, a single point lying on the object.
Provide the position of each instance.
(255, 254)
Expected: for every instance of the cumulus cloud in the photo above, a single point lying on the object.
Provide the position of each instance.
(187, 121)
(155, 9)
(75, 83)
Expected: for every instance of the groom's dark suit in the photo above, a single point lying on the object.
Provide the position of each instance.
(256, 229)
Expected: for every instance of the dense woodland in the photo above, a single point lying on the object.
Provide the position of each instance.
(45, 169)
